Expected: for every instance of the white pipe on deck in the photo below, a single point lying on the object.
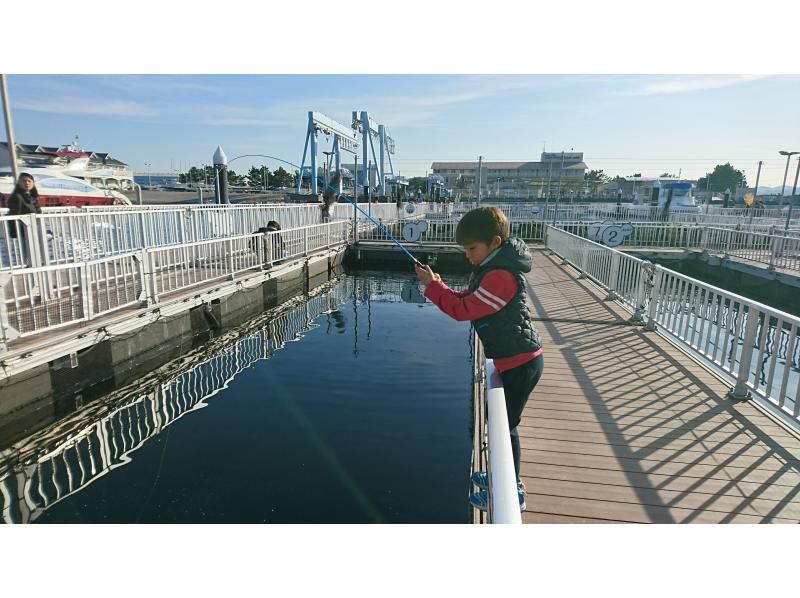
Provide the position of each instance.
(504, 501)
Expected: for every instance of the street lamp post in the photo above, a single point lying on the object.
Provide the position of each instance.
(791, 199)
(786, 172)
(327, 165)
(149, 181)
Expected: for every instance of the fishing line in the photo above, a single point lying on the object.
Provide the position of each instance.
(347, 199)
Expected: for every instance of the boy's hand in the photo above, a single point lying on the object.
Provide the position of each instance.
(426, 275)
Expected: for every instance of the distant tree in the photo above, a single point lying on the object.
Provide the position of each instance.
(595, 178)
(417, 183)
(255, 176)
(668, 174)
(281, 178)
(231, 177)
(724, 177)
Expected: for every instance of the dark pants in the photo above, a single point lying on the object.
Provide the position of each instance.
(518, 384)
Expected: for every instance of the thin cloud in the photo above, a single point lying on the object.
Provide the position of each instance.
(689, 84)
(159, 84)
(75, 105)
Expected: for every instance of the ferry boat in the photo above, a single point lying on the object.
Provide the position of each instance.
(58, 189)
(69, 176)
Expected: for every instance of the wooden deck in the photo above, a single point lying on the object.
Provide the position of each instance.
(624, 427)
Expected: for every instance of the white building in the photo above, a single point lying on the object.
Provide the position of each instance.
(517, 179)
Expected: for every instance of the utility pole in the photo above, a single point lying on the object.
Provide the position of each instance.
(758, 176)
(708, 185)
(12, 146)
(478, 192)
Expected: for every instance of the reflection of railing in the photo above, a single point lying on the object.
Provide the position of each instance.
(751, 343)
(33, 300)
(62, 460)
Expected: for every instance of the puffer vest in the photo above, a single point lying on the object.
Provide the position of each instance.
(509, 331)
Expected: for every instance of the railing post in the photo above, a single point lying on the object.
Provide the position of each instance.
(704, 240)
(150, 260)
(6, 332)
(613, 279)
(655, 292)
(646, 274)
(741, 392)
(305, 241)
(86, 291)
(231, 261)
(773, 249)
(584, 260)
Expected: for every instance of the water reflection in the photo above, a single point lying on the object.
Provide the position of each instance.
(55, 463)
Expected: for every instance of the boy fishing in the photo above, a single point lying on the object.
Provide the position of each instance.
(495, 302)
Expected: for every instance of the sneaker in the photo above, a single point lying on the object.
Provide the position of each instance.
(480, 479)
(480, 500)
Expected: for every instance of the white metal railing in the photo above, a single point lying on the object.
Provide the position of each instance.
(503, 496)
(617, 272)
(33, 300)
(751, 343)
(754, 344)
(78, 235)
(776, 250)
(69, 235)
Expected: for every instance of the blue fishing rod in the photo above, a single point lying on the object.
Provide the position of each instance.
(347, 199)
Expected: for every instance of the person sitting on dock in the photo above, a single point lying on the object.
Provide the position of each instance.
(495, 303)
(276, 250)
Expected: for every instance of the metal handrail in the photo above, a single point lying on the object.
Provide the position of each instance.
(34, 300)
(503, 497)
(751, 344)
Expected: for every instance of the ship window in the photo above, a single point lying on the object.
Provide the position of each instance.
(66, 184)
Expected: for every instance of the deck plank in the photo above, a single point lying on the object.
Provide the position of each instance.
(624, 427)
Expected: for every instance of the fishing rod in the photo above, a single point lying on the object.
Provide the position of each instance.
(347, 199)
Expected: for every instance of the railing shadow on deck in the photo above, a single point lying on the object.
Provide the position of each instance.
(746, 458)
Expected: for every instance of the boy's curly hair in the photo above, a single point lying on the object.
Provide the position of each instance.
(482, 224)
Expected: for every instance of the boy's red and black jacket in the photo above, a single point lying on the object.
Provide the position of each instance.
(495, 303)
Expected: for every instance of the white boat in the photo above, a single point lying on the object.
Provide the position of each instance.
(667, 194)
(68, 176)
(57, 189)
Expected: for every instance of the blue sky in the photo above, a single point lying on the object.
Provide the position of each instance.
(623, 124)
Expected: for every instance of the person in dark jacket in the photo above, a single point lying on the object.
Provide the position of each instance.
(329, 197)
(496, 304)
(24, 199)
(276, 250)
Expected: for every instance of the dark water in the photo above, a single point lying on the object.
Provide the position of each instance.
(353, 405)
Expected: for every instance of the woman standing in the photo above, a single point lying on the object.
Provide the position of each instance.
(23, 200)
